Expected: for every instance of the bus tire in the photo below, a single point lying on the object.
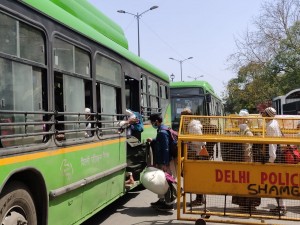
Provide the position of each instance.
(17, 205)
(149, 155)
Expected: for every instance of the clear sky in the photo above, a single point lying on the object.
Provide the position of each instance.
(202, 29)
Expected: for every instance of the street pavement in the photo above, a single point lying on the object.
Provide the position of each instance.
(134, 209)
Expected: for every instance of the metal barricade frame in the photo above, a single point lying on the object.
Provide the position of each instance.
(219, 179)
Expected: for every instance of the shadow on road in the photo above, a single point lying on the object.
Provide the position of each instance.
(110, 209)
(140, 212)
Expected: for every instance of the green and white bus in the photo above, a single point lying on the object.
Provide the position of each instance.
(288, 104)
(58, 57)
(199, 96)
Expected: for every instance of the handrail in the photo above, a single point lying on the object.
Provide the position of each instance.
(50, 123)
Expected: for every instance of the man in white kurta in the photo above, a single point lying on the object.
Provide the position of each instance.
(273, 129)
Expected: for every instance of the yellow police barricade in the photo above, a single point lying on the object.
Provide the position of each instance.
(226, 172)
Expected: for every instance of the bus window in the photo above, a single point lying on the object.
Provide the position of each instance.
(8, 35)
(69, 97)
(82, 62)
(63, 55)
(25, 84)
(71, 92)
(21, 40)
(164, 101)
(73, 102)
(144, 98)
(132, 94)
(154, 97)
(33, 38)
(108, 96)
(59, 104)
(22, 86)
(108, 70)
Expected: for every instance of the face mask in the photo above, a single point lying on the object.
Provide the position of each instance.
(243, 126)
(154, 126)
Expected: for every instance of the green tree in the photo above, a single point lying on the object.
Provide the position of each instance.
(287, 62)
(252, 86)
(266, 59)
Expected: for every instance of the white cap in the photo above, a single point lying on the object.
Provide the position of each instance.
(87, 110)
(270, 111)
(130, 113)
(243, 112)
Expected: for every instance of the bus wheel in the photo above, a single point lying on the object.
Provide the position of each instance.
(149, 155)
(17, 206)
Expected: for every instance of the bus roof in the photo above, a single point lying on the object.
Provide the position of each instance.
(86, 12)
(195, 83)
(97, 13)
(82, 26)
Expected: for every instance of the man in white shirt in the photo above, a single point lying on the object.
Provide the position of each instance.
(273, 129)
(88, 125)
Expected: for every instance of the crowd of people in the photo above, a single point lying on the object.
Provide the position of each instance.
(162, 160)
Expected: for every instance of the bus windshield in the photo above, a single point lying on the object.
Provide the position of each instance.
(195, 103)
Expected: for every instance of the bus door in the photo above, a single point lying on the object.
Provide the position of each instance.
(135, 151)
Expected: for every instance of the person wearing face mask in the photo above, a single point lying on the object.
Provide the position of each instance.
(160, 146)
(247, 203)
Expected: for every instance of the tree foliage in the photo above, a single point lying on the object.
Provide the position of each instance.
(267, 59)
(287, 61)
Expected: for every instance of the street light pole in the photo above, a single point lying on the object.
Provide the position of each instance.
(138, 16)
(138, 31)
(180, 62)
(195, 78)
(172, 76)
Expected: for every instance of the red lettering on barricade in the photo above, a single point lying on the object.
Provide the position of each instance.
(294, 176)
(263, 177)
(227, 176)
(232, 176)
(219, 176)
(283, 179)
(273, 178)
(244, 177)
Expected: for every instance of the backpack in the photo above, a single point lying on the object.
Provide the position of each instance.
(173, 140)
(171, 195)
(139, 126)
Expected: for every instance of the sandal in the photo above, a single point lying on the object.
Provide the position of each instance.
(279, 211)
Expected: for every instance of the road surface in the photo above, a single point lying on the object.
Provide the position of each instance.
(134, 209)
